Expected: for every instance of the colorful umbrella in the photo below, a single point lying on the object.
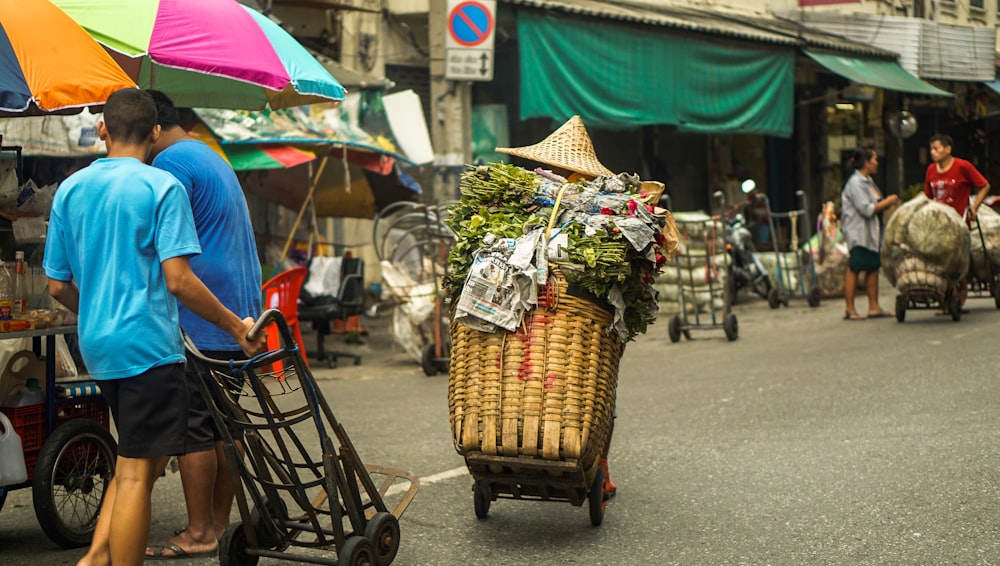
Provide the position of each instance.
(206, 53)
(48, 63)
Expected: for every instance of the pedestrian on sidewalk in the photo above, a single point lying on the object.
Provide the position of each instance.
(116, 253)
(862, 205)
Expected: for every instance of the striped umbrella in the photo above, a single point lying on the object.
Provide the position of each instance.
(48, 63)
(206, 53)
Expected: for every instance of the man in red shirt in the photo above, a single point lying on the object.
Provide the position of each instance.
(950, 180)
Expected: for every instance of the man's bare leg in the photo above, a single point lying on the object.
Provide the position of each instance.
(198, 474)
(99, 554)
(125, 512)
(224, 492)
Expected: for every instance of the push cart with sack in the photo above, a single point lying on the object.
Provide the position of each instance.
(703, 268)
(984, 274)
(532, 410)
(923, 286)
(794, 267)
(295, 504)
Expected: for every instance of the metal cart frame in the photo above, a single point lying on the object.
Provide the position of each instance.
(716, 318)
(784, 289)
(272, 405)
(988, 288)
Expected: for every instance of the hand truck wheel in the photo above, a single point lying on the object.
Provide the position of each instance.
(900, 308)
(357, 551)
(267, 534)
(674, 328)
(596, 498)
(383, 532)
(427, 362)
(995, 291)
(813, 297)
(233, 547)
(731, 326)
(70, 479)
(774, 298)
(955, 308)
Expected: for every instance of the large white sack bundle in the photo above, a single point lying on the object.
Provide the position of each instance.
(989, 223)
(699, 232)
(931, 231)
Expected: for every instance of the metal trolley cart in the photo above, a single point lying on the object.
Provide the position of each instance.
(68, 451)
(984, 280)
(701, 271)
(804, 282)
(271, 403)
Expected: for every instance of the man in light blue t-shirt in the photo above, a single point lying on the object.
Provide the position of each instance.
(120, 233)
(230, 268)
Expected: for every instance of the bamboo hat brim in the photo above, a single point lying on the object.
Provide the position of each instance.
(569, 147)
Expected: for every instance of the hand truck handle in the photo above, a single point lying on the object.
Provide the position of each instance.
(266, 318)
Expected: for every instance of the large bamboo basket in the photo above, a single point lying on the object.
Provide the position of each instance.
(546, 391)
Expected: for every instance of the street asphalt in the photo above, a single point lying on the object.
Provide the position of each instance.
(809, 440)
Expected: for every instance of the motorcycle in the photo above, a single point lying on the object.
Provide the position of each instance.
(746, 269)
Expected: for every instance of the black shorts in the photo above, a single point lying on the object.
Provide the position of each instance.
(149, 410)
(202, 434)
(863, 259)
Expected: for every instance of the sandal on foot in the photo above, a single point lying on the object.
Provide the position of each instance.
(160, 552)
(881, 314)
(853, 316)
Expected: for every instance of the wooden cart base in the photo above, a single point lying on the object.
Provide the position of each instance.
(524, 477)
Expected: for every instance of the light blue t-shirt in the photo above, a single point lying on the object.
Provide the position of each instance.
(112, 225)
(228, 264)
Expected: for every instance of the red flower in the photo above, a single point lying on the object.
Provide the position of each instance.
(607, 211)
(660, 239)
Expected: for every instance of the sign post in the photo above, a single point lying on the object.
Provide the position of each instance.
(469, 40)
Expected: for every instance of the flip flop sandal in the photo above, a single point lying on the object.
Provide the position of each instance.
(882, 314)
(853, 316)
(160, 553)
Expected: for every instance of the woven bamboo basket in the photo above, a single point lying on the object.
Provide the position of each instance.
(546, 391)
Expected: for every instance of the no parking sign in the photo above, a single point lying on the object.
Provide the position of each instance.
(471, 30)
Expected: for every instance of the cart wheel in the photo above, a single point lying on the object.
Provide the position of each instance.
(383, 531)
(995, 291)
(357, 551)
(674, 329)
(774, 298)
(427, 361)
(268, 536)
(596, 497)
(481, 502)
(233, 547)
(731, 326)
(813, 297)
(955, 308)
(3, 498)
(900, 308)
(71, 476)
(444, 364)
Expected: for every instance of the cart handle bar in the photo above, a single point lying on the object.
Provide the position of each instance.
(266, 318)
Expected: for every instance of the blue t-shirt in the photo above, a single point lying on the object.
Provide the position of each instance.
(228, 264)
(112, 225)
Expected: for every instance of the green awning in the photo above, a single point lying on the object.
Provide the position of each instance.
(622, 76)
(877, 73)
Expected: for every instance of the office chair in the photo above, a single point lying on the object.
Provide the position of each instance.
(348, 301)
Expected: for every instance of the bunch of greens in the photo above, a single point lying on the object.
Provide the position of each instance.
(505, 200)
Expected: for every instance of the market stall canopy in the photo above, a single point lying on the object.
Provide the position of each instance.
(48, 63)
(887, 75)
(207, 53)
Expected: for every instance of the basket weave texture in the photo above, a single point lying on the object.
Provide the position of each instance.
(546, 391)
(569, 147)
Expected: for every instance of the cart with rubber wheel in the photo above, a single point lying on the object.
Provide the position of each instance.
(292, 503)
(795, 268)
(923, 287)
(704, 267)
(68, 449)
(532, 410)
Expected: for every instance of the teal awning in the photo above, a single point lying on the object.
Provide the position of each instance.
(887, 75)
(624, 76)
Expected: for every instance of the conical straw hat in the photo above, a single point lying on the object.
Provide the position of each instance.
(569, 147)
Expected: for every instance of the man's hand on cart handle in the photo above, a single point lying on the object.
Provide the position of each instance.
(251, 339)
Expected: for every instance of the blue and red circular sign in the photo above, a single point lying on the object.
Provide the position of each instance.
(470, 23)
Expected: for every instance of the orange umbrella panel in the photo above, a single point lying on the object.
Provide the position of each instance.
(48, 63)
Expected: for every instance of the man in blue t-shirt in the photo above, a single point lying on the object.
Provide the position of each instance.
(230, 268)
(120, 233)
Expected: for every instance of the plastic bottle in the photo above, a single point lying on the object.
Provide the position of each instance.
(6, 296)
(12, 468)
(28, 394)
(20, 287)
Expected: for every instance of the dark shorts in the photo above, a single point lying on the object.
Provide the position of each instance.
(202, 433)
(149, 410)
(863, 259)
